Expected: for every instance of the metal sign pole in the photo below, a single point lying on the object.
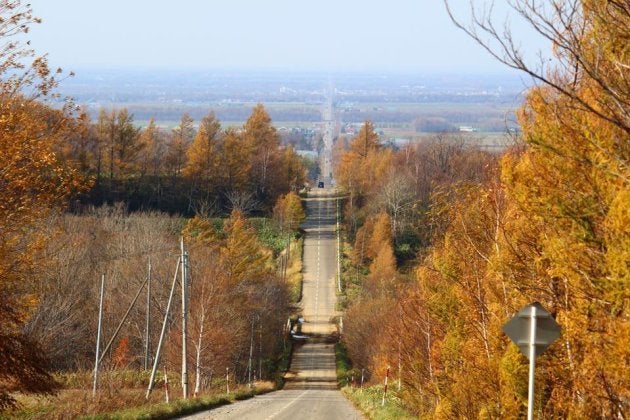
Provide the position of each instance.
(532, 329)
(532, 363)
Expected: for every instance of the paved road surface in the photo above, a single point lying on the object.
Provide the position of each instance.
(311, 389)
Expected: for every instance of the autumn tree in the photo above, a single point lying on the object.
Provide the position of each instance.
(202, 157)
(397, 198)
(81, 145)
(127, 143)
(215, 322)
(181, 140)
(382, 278)
(120, 141)
(33, 183)
(293, 169)
(352, 167)
(261, 140)
(289, 212)
(242, 254)
(362, 169)
(361, 336)
(106, 134)
(235, 167)
(153, 150)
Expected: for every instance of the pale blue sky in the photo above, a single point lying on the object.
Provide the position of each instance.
(328, 35)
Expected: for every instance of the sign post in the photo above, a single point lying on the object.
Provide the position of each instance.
(532, 329)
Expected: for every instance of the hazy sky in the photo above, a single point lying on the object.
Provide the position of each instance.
(300, 35)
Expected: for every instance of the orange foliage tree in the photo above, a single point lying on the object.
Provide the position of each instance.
(289, 212)
(361, 170)
(262, 142)
(33, 182)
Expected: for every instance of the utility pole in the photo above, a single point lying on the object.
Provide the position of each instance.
(251, 353)
(259, 348)
(158, 352)
(166, 385)
(184, 260)
(338, 250)
(227, 380)
(147, 346)
(399, 367)
(98, 335)
(289, 243)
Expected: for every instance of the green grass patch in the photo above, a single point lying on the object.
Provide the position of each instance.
(268, 234)
(369, 401)
(342, 363)
(295, 276)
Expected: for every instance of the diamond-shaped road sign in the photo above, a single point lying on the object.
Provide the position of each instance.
(519, 329)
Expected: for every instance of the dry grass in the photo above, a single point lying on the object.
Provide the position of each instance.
(115, 401)
(72, 403)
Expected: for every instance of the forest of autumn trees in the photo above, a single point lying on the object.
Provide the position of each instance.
(183, 169)
(548, 221)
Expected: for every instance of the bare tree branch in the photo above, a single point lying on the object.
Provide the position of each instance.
(564, 24)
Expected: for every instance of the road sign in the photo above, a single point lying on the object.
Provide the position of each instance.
(519, 329)
(532, 329)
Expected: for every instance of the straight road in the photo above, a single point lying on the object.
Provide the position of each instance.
(311, 388)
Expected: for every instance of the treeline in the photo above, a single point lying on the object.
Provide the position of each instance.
(238, 111)
(444, 118)
(184, 169)
(547, 221)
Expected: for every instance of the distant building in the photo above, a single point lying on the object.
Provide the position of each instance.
(467, 129)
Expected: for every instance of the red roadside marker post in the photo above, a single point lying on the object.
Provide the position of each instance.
(385, 390)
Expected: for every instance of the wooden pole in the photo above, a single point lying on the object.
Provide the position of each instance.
(98, 335)
(184, 262)
(147, 327)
